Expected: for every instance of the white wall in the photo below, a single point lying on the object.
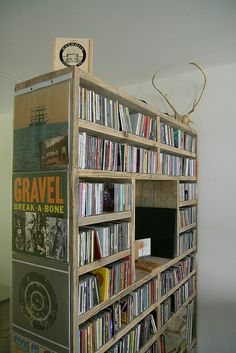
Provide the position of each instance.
(215, 120)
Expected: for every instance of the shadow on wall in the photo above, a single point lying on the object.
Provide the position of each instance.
(217, 320)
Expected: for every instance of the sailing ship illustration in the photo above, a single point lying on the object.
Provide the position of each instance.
(38, 115)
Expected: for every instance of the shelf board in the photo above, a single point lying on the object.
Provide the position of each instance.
(184, 229)
(119, 136)
(187, 203)
(152, 339)
(103, 262)
(104, 174)
(173, 122)
(166, 263)
(178, 151)
(189, 348)
(104, 217)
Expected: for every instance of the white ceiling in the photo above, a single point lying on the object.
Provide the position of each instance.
(132, 38)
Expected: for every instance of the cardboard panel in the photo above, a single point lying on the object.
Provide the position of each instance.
(41, 128)
(73, 52)
(40, 303)
(25, 343)
(40, 216)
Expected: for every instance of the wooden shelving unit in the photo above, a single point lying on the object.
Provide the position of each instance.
(148, 190)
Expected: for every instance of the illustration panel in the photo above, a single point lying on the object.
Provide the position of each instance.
(41, 128)
(41, 301)
(21, 344)
(40, 219)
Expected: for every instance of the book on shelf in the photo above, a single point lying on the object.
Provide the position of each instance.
(161, 344)
(102, 240)
(102, 274)
(177, 138)
(187, 216)
(102, 110)
(142, 248)
(96, 332)
(98, 198)
(144, 126)
(102, 327)
(113, 278)
(177, 299)
(107, 155)
(176, 273)
(88, 293)
(187, 191)
(177, 166)
(117, 197)
(186, 241)
(138, 301)
(125, 118)
(136, 337)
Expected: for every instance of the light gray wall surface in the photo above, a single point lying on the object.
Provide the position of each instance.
(215, 120)
(5, 197)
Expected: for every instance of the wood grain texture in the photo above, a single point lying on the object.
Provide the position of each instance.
(156, 194)
(103, 262)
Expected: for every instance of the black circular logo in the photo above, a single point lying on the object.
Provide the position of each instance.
(38, 301)
(72, 54)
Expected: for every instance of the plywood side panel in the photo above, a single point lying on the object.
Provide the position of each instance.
(156, 194)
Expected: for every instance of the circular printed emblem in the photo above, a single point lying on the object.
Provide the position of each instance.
(38, 301)
(72, 54)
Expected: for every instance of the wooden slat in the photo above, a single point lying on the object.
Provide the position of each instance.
(42, 78)
(133, 272)
(177, 151)
(119, 136)
(184, 229)
(193, 344)
(73, 204)
(103, 262)
(187, 203)
(104, 217)
(152, 339)
(97, 174)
